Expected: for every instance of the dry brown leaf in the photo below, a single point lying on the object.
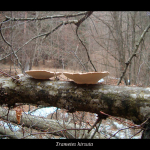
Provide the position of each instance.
(18, 114)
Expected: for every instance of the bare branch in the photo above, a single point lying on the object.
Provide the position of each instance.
(10, 45)
(47, 17)
(3, 36)
(87, 14)
(134, 53)
(45, 34)
(78, 24)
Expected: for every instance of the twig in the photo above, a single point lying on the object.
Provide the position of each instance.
(134, 53)
(118, 132)
(136, 133)
(2, 34)
(9, 76)
(45, 34)
(96, 130)
(9, 45)
(54, 132)
(131, 125)
(78, 24)
(101, 116)
(97, 121)
(47, 17)
(80, 62)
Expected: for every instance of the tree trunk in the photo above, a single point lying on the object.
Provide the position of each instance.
(132, 103)
(119, 41)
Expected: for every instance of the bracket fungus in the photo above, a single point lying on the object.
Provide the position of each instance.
(86, 78)
(42, 74)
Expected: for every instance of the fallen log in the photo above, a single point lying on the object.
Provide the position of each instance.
(132, 103)
(55, 127)
(14, 135)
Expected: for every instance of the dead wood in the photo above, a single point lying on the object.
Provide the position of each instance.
(128, 102)
(50, 126)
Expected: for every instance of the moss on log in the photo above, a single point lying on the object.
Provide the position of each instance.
(128, 102)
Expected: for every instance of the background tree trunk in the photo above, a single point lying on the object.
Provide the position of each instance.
(119, 41)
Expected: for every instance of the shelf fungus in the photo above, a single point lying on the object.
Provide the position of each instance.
(86, 78)
(42, 74)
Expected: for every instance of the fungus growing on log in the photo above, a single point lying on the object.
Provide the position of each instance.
(42, 74)
(86, 78)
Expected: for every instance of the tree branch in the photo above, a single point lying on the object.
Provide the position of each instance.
(10, 45)
(134, 53)
(78, 24)
(44, 34)
(47, 17)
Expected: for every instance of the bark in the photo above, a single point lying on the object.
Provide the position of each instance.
(55, 127)
(132, 103)
(14, 135)
(119, 39)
